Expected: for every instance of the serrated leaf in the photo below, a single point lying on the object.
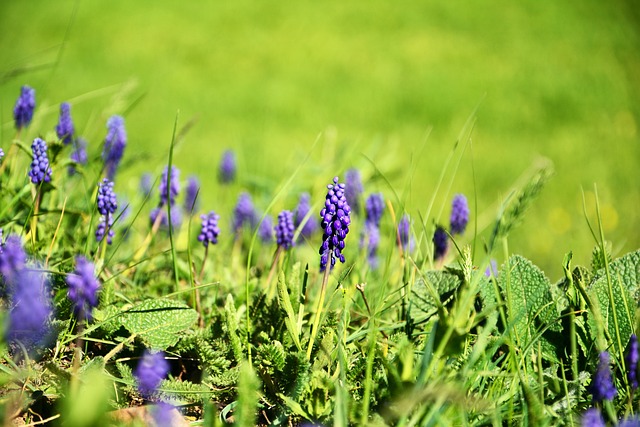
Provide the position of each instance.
(285, 305)
(528, 298)
(431, 291)
(159, 321)
(624, 290)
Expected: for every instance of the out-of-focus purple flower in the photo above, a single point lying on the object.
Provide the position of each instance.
(162, 414)
(12, 258)
(303, 208)
(1, 154)
(114, 145)
(602, 387)
(145, 183)
(372, 233)
(336, 217)
(632, 362)
(404, 234)
(40, 170)
(210, 229)
(191, 200)
(459, 214)
(492, 269)
(176, 217)
(102, 228)
(284, 229)
(151, 370)
(440, 243)
(83, 287)
(374, 206)
(78, 155)
(106, 200)
(244, 213)
(265, 231)
(632, 421)
(170, 183)
(30, 309)
(228, 167)
(592, 418)
(23, 110)
(65, 128)
(353, 189)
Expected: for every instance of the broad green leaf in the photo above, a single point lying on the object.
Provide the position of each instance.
(432, 290)
(285, 305)
(617, 302)
(159, 321)
(528, 298)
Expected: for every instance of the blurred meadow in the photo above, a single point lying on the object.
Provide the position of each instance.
(324, 86)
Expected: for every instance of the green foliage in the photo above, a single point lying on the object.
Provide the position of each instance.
(248, 383)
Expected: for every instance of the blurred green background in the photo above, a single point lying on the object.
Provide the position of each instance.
(391, 83)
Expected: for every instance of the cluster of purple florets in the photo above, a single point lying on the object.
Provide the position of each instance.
(106, 201)
(65, 128)
(114, 145)
(210, 230)
(336, 218)
(83, 288)
(228, 167)
(25, 105)
(40, 170)
(303, 208)
(374, 206)
(284, 229)
(244, 213)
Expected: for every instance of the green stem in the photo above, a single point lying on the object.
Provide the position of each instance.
(316, 319)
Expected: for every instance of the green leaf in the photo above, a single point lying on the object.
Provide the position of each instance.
(528, 298)
(285, 304)
(159, 321)
(432, 290)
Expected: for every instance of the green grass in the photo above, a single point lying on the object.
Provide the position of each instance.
(555, 80)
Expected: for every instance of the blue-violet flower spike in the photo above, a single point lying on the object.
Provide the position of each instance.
(30, 309)
(303, 208)
(632, 362)
(374, 206)
(106, 201)
(83, 288)
(440, 243)
(602, 387)
(23, 110)
(459, 214)
(40, 170)
(102, 228)
(404, 234)
(592, 418)
(244, 213)
(336, 217)
(65, 128)
(191, 195)
(265, 231)
(78, 155)
(114, 145)
(151, 370)
(169, 183)
(284, 229)
(210, 230)
(228, 167)
(353, 189)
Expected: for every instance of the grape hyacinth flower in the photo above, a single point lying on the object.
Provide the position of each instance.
(459, 214)
(353, 189)
(151, 370)
(244, 213)
(602, 387)
(78, 155)
(632, 362)
(373, 241)
(30, 310)
(303, 208)
(374, 206)
(101, 229)
(12, 259)
(83, 288)
(145, 184)
(404, 234)
(336, 217)
(170, 183)
(440, 243)
(65, 128)
(191, 194)
(210, 230)
(592, 418)
(284, 229)
(228, 167)
(1, 154)
(106, 200)
(176, 217)
(265, 232)
(40, 170)
(23, 110)
(114, 145)
(162, 414)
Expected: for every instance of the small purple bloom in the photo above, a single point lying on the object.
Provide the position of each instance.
(102, 228)
(151, 370)
(602, 387)
(373, 241)
(244, 213)
(12, 258)
(592, 418)
(492, 269)
(227, 172)
(176, 217)
(23, 110)
(404, 234)
(265, 231)
(353, 189)
(210, 230)
(40, 170)
(65, 128)
(114, 145)
(191, 195)
(162, 414)
(336, 217)
(106, 201)
(374, 206)
(1, 154)
(632, 362)
(284, 229)
(632, 421)
(83, 288)
(303, 208)
(170, 183)
(459, 214)
(79, 154)
(30, 309)
(145, 184)
(440, 243)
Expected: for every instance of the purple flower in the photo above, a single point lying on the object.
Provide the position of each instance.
(227, 172)
(353, 189)
(304, 206)
(191, 194)
(170, 183)
(145, 184)
(30, 309)
(592, 418)
(162, 414)
(83, 288)
(210, 229)
(65, 128)
(374, 206)
(106, 201)
(492, 269)
(284, 229)
(12, 258)
(40, 170)
(176, 217)
(440, 243)
(102, 228)
(265, 231)
(23, 110)
(459, 214)
(114, 145)
(602, 387)
(373, 241)
(404, 234)
(632, 362)
(627, 422)
(1, 154)
(79, 154)
(244, 213)
(151, 370)
(336, 217)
